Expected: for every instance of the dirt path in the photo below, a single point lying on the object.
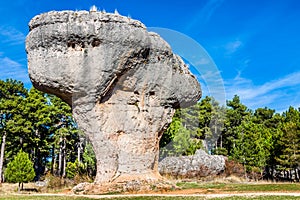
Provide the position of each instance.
(188, 194)
(200, 192)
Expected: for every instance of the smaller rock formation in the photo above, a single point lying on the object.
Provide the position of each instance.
(196, 166)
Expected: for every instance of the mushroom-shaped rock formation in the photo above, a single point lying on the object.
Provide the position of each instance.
(122, 82)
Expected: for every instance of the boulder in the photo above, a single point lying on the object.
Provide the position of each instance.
(196, 166)
(122, 82)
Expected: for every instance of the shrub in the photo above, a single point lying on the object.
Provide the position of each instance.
(234, 168)
(220, 151)
(20, 169)
(75, 168)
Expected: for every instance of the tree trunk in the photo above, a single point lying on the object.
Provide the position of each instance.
(78, 154)
(55, 166)
(59, 172)
(2, 155)
(80, 148)
(64, 159)
(38, 160)
(19, 188)
(296, 175)
(53, 160)
(216, 144)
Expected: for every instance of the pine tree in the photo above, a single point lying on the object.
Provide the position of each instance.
(271, 121)
(65, 136)
(89, 159)
(235, 115)
(252, 146)
(181, 137)
(20, 170)
(36, 142)
(12, 94)
(216, 127)
(191, 126)
(290, 154)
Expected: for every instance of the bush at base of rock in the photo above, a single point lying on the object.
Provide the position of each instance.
(233, 168)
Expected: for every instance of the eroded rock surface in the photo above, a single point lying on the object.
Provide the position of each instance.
(196, 166)
(122, 82)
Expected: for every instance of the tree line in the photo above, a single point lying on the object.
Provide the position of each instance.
(266, 143)
(41, 125)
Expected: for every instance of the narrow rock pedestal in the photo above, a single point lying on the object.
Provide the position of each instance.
(122, 82)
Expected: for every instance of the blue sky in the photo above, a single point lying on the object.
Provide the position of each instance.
(255, 45)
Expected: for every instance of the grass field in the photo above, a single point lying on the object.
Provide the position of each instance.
(242, 187)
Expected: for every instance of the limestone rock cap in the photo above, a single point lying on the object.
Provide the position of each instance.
(54, 17)
(79, 53)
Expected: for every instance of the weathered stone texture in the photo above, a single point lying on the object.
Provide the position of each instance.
(196, 166)
(122, 82)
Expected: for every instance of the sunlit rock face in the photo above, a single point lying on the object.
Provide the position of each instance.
(193, 167)
(122, 82)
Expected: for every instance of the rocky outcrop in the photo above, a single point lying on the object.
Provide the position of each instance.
(196, 166)
(122, 82)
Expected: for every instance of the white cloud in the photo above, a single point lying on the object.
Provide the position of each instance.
(212, 85)
(12, 36)
(12, 69)
(202, 61)
(209, 9)
(205, 13)
(232, 47)
(278, 94)
(211, 75)
(8, 62)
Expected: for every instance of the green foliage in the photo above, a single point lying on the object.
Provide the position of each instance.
(235, 114)
(75, 168)
(252, 146)
(89, 160)
(42, 126)
(12, 95)
(262, 141)
(71, 170)
(39, 124)
(220, 151)
(190, 126)
(178, 139)
(185, 143)
(289, 158)
(20, 170)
